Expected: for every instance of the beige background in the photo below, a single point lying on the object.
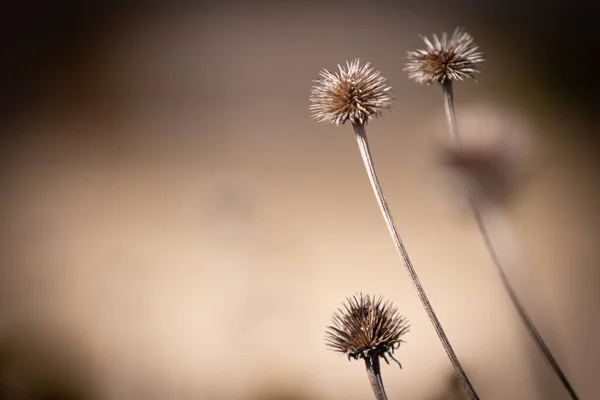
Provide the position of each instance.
(170, 206)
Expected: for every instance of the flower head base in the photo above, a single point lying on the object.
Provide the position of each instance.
(444, 60)
(356, 93)
(366, 328)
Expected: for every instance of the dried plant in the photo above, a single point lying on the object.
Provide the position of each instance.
(366, 328)
(490, 162)
(445, 61)
(358, 94)
(370, 329)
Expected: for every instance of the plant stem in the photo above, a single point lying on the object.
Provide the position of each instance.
(525, 318)
(537, 338)
(449, 106)
(374, 372)
(363, 146)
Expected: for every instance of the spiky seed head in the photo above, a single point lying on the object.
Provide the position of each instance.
(444, 59)
(366, 327)
(491, 161)
(356, 93)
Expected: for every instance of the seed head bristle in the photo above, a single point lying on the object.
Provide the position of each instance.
(356, 93)
(444, 59)
(366, 327)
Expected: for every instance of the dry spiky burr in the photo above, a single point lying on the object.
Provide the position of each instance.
(367, 328)
(444, 59)
(357, 94)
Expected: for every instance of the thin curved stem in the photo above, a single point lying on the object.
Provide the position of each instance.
(537, 338)
(525, 318)
(363, 145)
(374, 372)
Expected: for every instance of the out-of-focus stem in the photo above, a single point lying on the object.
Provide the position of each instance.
(525, 318)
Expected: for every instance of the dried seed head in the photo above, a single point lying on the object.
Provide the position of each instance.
(490, 162)
(366, 328)
(355, 93)
(444, 60)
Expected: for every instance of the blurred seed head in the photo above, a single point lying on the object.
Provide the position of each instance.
(490, 162)
(444, 59)
(366, 327)
(356, 93)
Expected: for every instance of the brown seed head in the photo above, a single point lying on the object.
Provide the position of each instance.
(356, 93)
(491, 162)
(443, 60)
(366, 327)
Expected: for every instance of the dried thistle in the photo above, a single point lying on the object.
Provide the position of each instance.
(444, 59)
(355, 93)
(366, 328)
(369, 329)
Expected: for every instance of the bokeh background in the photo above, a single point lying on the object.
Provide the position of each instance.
(173, 225)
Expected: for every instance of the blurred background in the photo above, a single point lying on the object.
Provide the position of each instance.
(173, 225)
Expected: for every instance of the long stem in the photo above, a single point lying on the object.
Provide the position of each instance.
(527, 321)
(374, 372)
(363, 145)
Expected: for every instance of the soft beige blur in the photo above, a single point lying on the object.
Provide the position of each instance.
(170, 203)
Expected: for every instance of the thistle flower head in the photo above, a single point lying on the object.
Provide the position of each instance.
(366, 327)
(444, 59)
(356, 93)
